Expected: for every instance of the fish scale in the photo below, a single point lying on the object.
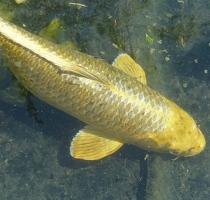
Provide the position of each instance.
(53, 83)
(103, 96)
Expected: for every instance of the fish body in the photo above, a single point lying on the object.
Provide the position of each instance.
(113, 100)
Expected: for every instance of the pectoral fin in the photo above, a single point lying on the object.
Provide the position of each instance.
(125, 63)
(92, 144)
(81, 71)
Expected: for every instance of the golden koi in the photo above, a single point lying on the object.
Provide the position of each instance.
(114, 100)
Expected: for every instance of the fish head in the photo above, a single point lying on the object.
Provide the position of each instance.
(190, 141)
(182, 137)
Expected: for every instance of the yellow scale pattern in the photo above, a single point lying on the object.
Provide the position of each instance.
(89, 100)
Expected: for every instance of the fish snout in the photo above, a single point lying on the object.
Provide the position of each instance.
(198, 147)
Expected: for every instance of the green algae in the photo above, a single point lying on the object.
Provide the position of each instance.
(53, 30)
(7, 10)
(11, 95)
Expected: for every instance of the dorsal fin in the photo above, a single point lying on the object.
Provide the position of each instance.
(125, 63)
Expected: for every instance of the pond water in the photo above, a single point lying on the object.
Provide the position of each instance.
(169, 39)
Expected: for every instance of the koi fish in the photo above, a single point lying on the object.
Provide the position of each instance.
(114, 100)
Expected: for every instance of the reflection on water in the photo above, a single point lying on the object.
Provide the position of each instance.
(35, 161)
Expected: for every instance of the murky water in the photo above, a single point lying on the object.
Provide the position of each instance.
(35, 137)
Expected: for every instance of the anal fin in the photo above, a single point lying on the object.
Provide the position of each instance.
(92, 144)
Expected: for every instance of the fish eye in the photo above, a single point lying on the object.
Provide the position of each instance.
(176, 153)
